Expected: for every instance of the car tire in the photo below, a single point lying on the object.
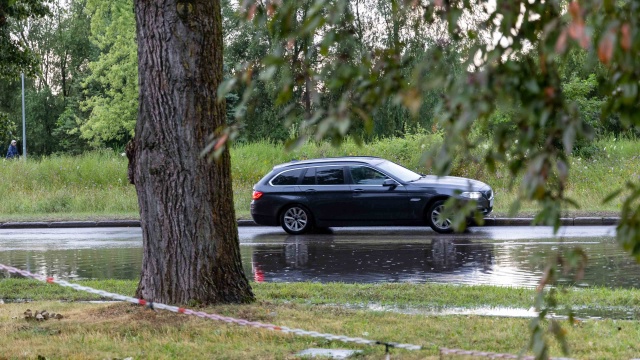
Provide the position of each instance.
(296, 219)
(434, 218)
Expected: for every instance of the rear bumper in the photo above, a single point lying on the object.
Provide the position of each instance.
(262, 219)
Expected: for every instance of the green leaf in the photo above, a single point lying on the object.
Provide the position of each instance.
(226, 87)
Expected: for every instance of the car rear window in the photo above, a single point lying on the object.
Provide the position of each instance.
(289, 177)
(309, 177)
(330, 176)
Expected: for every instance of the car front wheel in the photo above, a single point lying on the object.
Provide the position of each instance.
(296, 220)
(436, 219)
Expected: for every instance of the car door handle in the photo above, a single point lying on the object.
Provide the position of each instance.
(310, 190)
(358, 190)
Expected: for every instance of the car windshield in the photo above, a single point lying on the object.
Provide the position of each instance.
(398, 171)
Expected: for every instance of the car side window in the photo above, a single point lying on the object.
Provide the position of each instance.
(364, 175)
(330, 175)
(309, 177)
(287, 178)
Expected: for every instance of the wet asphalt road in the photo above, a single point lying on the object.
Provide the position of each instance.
(250, 234)
(71, 238)
(482, 255)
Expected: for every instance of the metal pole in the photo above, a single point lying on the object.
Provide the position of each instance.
(24, 125)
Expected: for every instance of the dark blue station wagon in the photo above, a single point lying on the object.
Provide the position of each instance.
(358, 191)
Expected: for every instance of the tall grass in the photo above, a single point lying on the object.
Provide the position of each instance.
(95, 184)
(91, 185)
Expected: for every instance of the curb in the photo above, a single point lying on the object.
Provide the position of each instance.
(69, 224)
(578, 221)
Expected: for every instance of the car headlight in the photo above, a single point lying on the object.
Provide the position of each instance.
(471, 195)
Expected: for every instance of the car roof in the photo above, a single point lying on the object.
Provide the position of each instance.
(372, 160)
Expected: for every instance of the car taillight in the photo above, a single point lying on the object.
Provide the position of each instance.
(256, 195)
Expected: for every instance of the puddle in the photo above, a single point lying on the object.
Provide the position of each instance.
(582, 313)
(328, 353)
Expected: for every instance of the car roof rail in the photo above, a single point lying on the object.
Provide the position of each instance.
(328, 159)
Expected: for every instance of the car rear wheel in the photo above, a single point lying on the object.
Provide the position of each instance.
(436, 219)
(296, 219)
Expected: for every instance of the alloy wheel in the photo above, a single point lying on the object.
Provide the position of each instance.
(438, 220)
(296, 219)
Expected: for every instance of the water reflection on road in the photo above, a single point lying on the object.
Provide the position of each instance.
(495, 256)
(327, 258)
(485, 256)
(105, 253)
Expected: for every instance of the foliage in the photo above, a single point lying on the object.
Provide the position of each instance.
(15, 56)
(87, 57)
(513, 53)
(60, 42)
(112, 85)
(7, 128)
(43, 109)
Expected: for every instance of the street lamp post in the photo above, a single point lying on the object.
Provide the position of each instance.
(24, 124)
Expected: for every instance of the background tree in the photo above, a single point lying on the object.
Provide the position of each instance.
(15, 56)
(60, 43)
(111, 86)
(7, 128)
(191, 249)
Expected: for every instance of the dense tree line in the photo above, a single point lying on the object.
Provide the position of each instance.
(83, 92)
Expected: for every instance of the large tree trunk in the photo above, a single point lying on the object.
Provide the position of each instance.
(190, 237)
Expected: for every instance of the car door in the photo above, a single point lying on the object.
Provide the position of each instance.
(372, 199)
(327, 193)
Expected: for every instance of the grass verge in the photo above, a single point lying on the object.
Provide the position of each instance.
(91, 331)
(94, 186)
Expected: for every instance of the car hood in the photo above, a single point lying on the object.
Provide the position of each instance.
(452, 182)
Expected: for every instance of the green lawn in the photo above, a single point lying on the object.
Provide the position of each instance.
(116, 331)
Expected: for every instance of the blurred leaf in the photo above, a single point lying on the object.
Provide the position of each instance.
(612, 196)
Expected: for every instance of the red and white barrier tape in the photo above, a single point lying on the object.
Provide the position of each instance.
(205, 315)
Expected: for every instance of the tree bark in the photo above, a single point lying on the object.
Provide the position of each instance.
(191, 250)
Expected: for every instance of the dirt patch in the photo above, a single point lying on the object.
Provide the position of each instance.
(130, 312)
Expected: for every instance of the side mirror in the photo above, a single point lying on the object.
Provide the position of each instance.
(390, 182)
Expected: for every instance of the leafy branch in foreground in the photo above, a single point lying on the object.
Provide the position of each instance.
(512, 55)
